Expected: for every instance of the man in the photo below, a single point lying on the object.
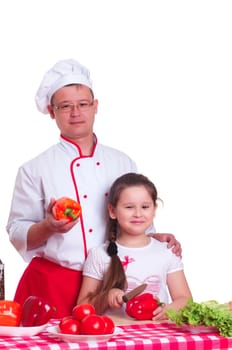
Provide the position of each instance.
(77, 167)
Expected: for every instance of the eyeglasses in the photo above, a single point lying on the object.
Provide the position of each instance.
(66, 107)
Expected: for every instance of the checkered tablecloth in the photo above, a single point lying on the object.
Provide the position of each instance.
(149, 336)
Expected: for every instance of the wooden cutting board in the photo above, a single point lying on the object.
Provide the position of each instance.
(124, 320)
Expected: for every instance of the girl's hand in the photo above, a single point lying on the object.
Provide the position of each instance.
(115, 298)
(159, 313)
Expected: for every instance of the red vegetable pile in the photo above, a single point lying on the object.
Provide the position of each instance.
(84, 320)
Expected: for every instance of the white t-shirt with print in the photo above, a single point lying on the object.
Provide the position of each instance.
(149, 264)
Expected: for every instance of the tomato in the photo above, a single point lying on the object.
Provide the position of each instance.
(82, 310)
(92, 324)
(68, 325)
(109, 325)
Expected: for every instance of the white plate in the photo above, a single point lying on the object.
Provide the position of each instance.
(7, 331)
(197, 329)
(54, 331)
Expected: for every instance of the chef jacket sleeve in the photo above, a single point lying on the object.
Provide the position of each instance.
(27, 208)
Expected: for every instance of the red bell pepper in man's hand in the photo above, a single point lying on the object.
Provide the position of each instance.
(36, 312)
(66, 208)
(10, 313)
(142, 306)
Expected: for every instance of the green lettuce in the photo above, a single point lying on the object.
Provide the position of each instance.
(208, 313)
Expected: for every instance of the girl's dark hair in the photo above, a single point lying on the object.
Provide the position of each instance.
(115, 276)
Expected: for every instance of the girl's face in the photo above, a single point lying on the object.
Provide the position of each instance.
(134, 211)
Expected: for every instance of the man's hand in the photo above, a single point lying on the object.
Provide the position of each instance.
(41, 231)
(57, 226)
(172, 242)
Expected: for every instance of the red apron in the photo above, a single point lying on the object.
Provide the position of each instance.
(56, 284)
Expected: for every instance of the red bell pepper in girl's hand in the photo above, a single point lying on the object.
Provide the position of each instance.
(142, 306)
(10, 313)
(36, 312)
(66, 208)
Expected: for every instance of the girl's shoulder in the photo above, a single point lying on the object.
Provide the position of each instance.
(99, 251)
(161, 246)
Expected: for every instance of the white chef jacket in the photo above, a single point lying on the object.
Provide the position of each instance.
(61, 171)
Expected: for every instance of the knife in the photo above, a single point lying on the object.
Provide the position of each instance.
(136, 291)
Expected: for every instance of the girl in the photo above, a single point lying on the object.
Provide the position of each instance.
(130, 257)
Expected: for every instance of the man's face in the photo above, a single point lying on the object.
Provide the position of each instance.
(74, 109)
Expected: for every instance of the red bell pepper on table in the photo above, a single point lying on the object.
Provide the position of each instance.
(36, 311)
(66, 208)
(10, 313)
(142, 306)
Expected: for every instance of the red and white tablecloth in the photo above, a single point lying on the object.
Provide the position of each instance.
(134, 337)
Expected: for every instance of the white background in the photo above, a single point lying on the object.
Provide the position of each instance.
(162, 72)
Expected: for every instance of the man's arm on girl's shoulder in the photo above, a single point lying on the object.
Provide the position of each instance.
(171, 240)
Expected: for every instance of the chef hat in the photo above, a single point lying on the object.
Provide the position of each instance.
(63, 73)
